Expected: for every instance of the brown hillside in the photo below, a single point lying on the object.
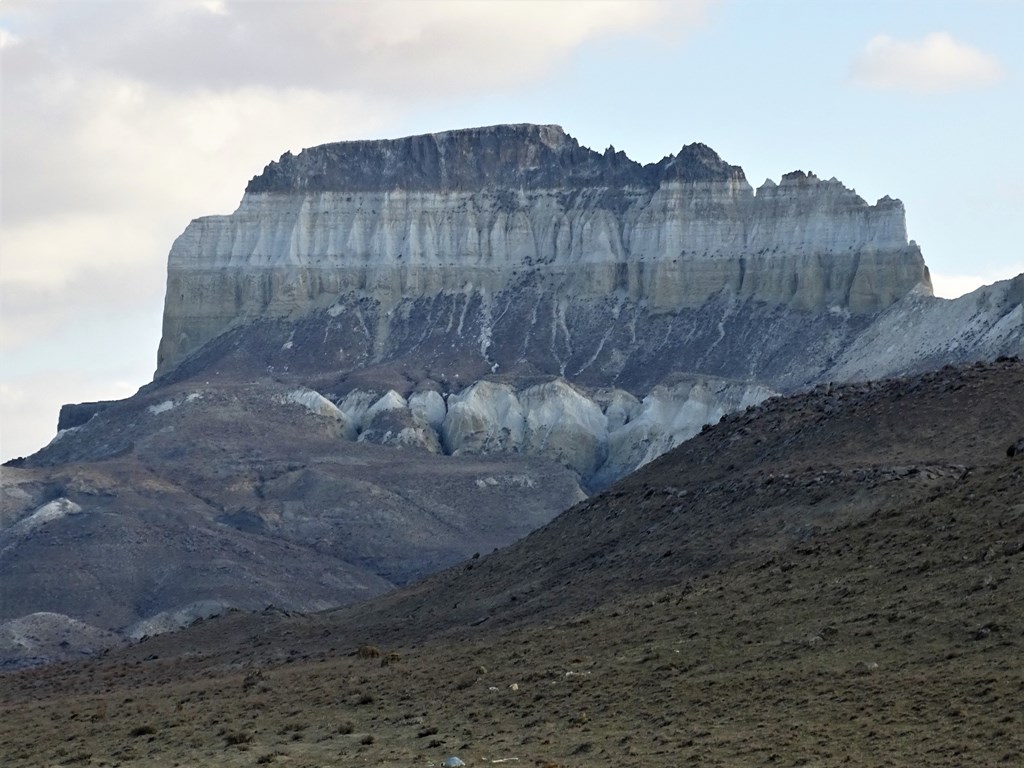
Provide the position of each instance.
(830, 579)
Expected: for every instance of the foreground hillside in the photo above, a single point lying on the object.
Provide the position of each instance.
(829, 579)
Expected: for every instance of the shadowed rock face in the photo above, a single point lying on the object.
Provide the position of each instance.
(448, 231)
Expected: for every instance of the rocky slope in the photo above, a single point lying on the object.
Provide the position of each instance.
(920, 332)
(828, 579)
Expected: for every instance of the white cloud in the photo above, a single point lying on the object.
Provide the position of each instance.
(937, 62)
(124, 120)
(96, 194)
(419, 49)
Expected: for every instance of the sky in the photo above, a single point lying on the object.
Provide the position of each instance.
(122, 120)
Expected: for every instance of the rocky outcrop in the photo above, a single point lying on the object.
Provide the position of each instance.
(440, 236)
(43, 638)
(600, 435)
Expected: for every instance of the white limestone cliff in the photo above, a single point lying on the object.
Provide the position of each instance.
(339, 423)
(439, 215)
(668, 416)
(485, 418)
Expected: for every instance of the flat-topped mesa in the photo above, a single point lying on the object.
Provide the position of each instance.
(488, 212)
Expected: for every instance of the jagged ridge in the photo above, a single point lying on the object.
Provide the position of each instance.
(505, 157)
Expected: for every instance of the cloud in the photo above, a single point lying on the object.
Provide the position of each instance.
(101, 173)
(418, 49)
(124, 120)
(29, 405)
(938, 62)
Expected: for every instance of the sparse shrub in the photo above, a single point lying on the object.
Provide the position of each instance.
(367, 739)
(428, 731)
(346, 727)
(464, 682)
(391, 658)
(142, 730)
(369, 652)
(236, 738)
(365, 698)
(252, 680)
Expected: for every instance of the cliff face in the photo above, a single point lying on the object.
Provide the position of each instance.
(459, 229)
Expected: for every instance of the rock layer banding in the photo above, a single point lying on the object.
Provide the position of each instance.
(458, 230)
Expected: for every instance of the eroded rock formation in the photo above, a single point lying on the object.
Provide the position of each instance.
(477, 236)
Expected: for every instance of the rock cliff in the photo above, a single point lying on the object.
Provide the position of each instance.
(473, 237)
(504, 289)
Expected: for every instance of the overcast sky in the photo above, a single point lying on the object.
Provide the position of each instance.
(123, 120)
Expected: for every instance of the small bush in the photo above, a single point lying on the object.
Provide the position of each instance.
(237, 737)
(142, 730)
(369, 652)
(367, 739)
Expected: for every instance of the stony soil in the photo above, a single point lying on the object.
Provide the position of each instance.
(832, 579)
